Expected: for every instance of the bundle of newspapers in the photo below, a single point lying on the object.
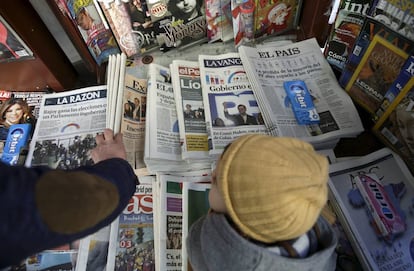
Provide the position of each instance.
(269, 69)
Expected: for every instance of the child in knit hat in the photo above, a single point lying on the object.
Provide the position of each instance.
(266, 198)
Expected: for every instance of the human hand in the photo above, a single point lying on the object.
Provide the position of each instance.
(108, 146)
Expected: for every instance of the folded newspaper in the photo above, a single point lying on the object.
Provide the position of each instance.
(268, 67)
(373, 196)
(66, 128)
(230, 106)
(131, 242)
(168, 217)
(188, 96)
(162, 136)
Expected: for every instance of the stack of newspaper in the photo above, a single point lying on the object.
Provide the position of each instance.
(162, 136)
(172, 217)
(268, 67)
(230, 105)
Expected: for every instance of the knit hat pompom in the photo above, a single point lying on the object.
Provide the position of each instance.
(274, 188)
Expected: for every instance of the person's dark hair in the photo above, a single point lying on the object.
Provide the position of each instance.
(178, 13)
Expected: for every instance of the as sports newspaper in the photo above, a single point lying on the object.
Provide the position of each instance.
(268, 67)
(66, 128)
(225, 88)
(131, 240)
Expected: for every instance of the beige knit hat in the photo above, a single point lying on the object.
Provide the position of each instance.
(273, 187)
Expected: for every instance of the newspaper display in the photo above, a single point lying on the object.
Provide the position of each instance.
(93, 251)
(66, 129)
(131, 244)
(133, 119)
(168, 242)
(162, 139)
(162, 136)
(188, 95)
(226, 88)
(268, 67)
(195, 205)
(169, 217)
(373, 196)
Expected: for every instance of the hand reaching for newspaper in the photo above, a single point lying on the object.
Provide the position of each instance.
(108, 146)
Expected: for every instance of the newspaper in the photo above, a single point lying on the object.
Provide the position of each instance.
(373, 198)
(162, 138)
(93, 251)
(195, 205)
(226, 88)
(133, 119)
(268, 67)
(131, 244)
(168, 217)
(188, 96)
(169, 220)
(66, 128)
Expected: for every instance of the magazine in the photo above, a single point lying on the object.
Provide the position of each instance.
(274, 17)
(406, 73)
(131, 245)
(396, 14)
(345, 30)
(369, 29)
(395, 127)
(99, 39)
(29, 102)
(132, 26)
(219, 20)
(269, 67)
(188, 96)
(93, 251)
(12, 47)
(178, 24)
(377, 70)
(373, 198)
(66, 128)
(230, 106)
(174, 32)
(195, 205)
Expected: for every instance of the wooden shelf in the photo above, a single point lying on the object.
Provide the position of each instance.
(50, 67)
